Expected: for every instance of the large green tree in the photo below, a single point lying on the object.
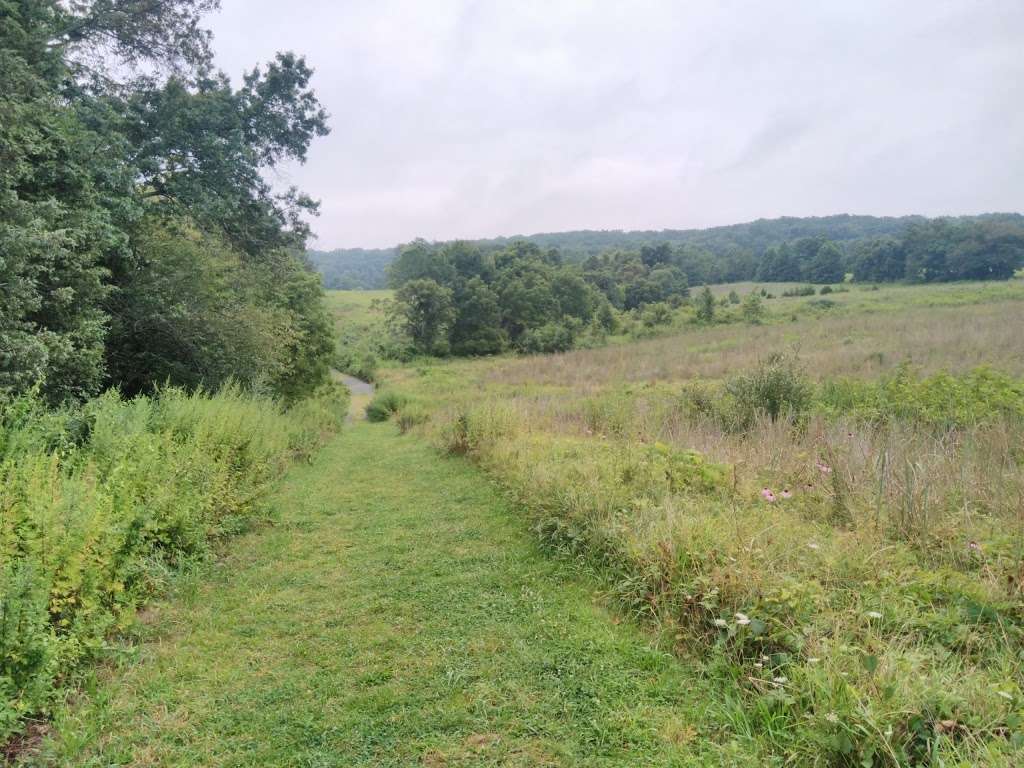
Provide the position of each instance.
(114, 126)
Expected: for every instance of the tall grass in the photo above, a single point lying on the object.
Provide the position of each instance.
(846, 558)
(100, 504)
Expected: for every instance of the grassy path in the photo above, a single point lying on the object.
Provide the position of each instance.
(398, 615)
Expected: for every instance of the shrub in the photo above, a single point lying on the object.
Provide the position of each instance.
(825, 290)
(98, 502)
(656, 314)
(777, 388)
(411, 415)
(753, 309)
(548, 338)
(940, 401)
(385, 405)
(802, 290)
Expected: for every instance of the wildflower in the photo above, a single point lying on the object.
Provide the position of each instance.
(721, 623)
(813, 660)
(768, 494)
(1005, 695)
(824, 468)
(874, 615)
(742, 619)
(813, 545)
(832, 717)
(973, 545)
(779, 680)
(786, 493)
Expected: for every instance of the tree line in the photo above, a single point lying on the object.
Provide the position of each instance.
(139, 241)
(726, 254)
(462, 298)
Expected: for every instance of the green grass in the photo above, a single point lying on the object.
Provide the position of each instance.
(883, 589)
(398, 614)
(354, 306)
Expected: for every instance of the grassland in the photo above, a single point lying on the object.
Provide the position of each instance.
(852, 573)
(631, 595)
(398, 614)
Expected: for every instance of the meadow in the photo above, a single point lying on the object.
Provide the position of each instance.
(823, 512)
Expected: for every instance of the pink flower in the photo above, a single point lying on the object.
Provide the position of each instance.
(767, 494)
(787, 494)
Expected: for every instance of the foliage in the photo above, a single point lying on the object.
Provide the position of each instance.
(706, 306)
(101, 167)
(941, 401)
(423, 311)
(384, 405)
(776, 388)
(102, 501)
(456, 297)
(550, 337)
(753, 308)
(353, 269)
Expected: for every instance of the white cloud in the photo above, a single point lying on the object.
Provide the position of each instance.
(470, 118)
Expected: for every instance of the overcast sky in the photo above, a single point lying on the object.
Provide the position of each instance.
(476, 118)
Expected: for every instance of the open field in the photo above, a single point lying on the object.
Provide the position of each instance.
(833, 582)
(851, 569)
(354, 307)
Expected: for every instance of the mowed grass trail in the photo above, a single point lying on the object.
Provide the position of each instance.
(397, 615)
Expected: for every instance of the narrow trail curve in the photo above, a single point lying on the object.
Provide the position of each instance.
(397, 615)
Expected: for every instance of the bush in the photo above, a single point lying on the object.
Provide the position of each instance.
(99, 502)
(656, 314)
(411, 415)
(940, 401)
(548, 338)
(385, 405)
(803, 290)
(825, 290)
(777, 388)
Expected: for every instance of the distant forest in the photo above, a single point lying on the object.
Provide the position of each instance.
(870, 247)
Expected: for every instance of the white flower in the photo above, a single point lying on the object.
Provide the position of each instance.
(1005, 695)
(779, 680)
(742, 619)
(721, 623)
(874, 615)
(813, 660)
(812, 545)
(832, 717)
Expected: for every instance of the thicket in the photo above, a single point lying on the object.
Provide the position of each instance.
(457, 299)
(140, 243)
(101, 503)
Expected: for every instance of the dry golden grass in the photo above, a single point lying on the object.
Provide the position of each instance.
(952, 338)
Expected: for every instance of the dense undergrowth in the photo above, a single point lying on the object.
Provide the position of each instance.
(844, 556)
(101, 504)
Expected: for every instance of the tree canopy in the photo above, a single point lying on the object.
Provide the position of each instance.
(139, 241)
